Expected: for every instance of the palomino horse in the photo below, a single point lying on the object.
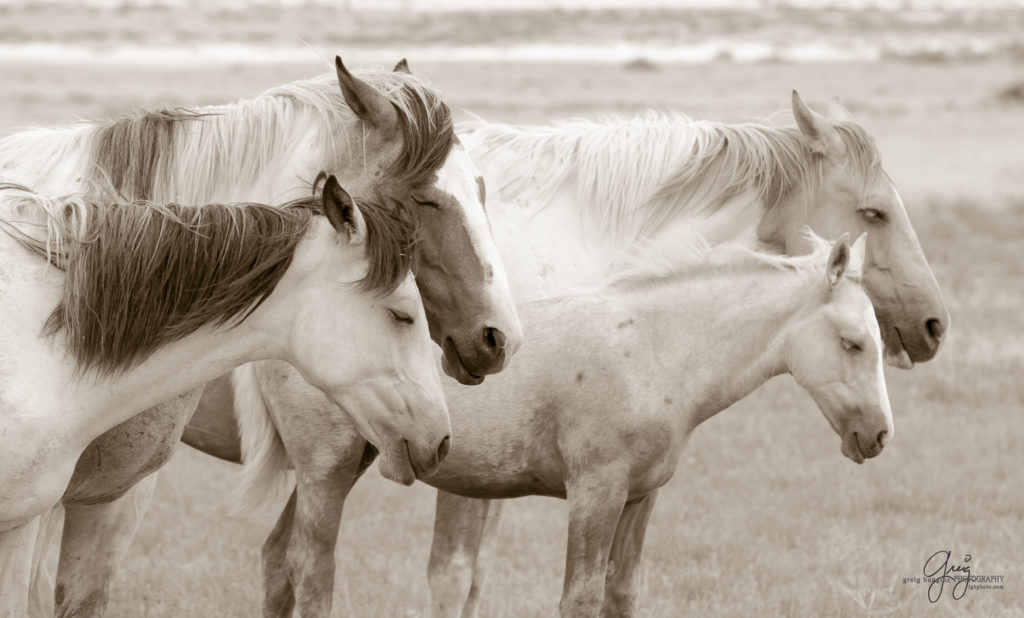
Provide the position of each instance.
(594, 412)
(593, 190)
(386, 134)
(110, 309)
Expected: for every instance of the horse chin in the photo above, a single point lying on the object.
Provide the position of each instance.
(896, 354)
(851, 448)
(451, 363)
(396, 465)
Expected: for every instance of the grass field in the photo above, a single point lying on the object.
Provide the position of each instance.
(764, 516)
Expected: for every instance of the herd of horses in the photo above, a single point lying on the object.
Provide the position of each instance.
(279, 280)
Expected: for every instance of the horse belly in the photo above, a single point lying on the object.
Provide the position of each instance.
(485, 482)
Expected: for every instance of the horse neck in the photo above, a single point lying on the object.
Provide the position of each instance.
(719, 337)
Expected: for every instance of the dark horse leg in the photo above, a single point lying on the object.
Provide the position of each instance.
(106, 499)
(328, 456)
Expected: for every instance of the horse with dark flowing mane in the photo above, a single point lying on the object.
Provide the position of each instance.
(109, 309)
(386, 134)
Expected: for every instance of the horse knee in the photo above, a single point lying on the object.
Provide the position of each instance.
(450, 582)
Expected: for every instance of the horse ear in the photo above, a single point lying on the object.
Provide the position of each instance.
(402, 67)
(858, 250)
(836, 112)
(342, 212)
(838, 260)
(371, 106)
(819, 132)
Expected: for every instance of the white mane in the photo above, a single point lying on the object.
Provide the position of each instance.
(635, 174)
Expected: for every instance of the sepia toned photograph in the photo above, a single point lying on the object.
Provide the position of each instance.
(511, 308)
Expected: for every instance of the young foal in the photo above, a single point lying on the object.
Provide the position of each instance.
(109, 309)
(652, 358)
(603, 398)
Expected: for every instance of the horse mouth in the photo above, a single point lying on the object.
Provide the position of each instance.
(454, 366)
(896, 353)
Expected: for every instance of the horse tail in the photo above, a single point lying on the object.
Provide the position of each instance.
(264, 459)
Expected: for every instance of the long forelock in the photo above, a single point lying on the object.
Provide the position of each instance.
(428, 130)
(392, 236)
(632, 175)
(139, 275)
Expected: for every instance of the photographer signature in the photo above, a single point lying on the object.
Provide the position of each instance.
(938, 568)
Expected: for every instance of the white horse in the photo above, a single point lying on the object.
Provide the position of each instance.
(110, 309)
(568, 197)
(386, 134)
(610, 386)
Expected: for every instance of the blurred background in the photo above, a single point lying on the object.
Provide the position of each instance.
(764, 516)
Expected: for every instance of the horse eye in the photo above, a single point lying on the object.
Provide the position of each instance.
(427, 203)
(873, 215)
(849, 346)
(404, 318)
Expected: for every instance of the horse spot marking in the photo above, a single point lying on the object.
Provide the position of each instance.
(668, 400)
(626, 353)
(579, 377)
(624, 323)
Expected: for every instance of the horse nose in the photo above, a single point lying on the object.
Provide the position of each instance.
(442, 450)
(492, 345)
(934, 329)
(494, 339)
(883, 439)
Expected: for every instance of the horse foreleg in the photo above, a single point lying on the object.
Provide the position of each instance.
(95, 540)
(622, 586)
(595, 504)
(487, 548)
(321, 499)
(463, 527)
(278, 596)
(17, 547)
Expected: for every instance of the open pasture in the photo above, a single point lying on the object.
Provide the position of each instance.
(764, 516)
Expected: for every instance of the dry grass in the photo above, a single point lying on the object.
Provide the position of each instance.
(764, 517)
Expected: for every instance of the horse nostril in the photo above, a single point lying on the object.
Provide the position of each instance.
(442, 451)
(935, 328)
(883, 437)
(494, 339)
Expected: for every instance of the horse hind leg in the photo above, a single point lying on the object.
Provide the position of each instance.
(95, 540)
(622, 586)
(465, 538)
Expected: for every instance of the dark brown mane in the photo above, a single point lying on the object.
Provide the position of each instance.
(140, 275)
(429, 134)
